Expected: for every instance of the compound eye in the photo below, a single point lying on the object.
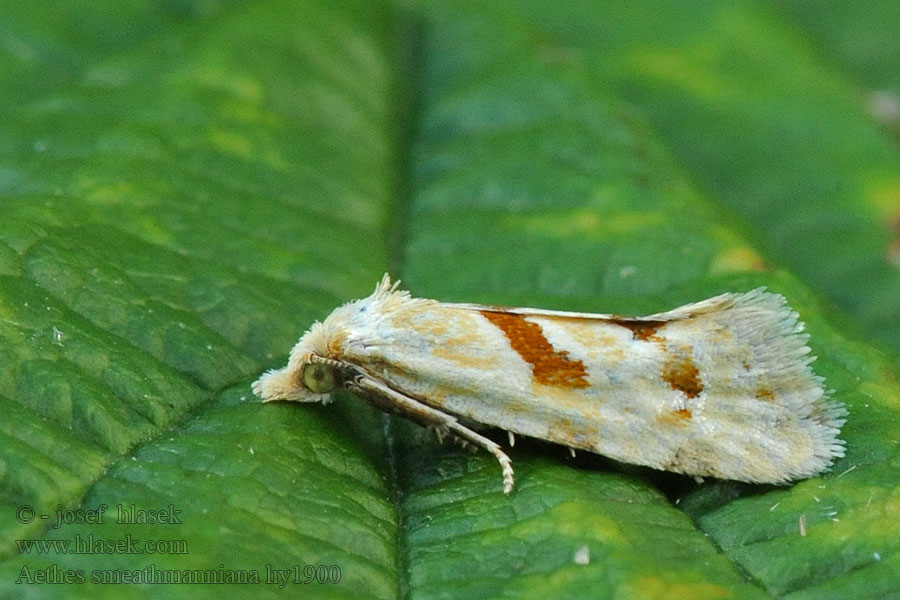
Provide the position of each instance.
(318, 378)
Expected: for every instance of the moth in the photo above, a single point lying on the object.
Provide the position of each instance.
(720, 388)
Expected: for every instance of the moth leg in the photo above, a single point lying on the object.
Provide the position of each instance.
(438, 433)
(389, 399)
(467, 435)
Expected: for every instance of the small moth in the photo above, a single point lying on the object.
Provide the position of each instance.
(719, 388)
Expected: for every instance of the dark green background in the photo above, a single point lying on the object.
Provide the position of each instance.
(186, 185)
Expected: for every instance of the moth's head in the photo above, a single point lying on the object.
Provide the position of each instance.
(308, 377)
(303, 380)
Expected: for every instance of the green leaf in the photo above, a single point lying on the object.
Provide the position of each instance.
(187, 185)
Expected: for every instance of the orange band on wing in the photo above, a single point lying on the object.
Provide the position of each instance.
(548, 366)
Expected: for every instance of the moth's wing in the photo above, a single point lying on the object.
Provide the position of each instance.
(735, 366)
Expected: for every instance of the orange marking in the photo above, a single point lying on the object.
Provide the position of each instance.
(680, 373)
(677, 418)
(548, 366)
(640, 330)
(765, 394)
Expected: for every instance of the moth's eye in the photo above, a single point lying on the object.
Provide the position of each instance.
(318, 378)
